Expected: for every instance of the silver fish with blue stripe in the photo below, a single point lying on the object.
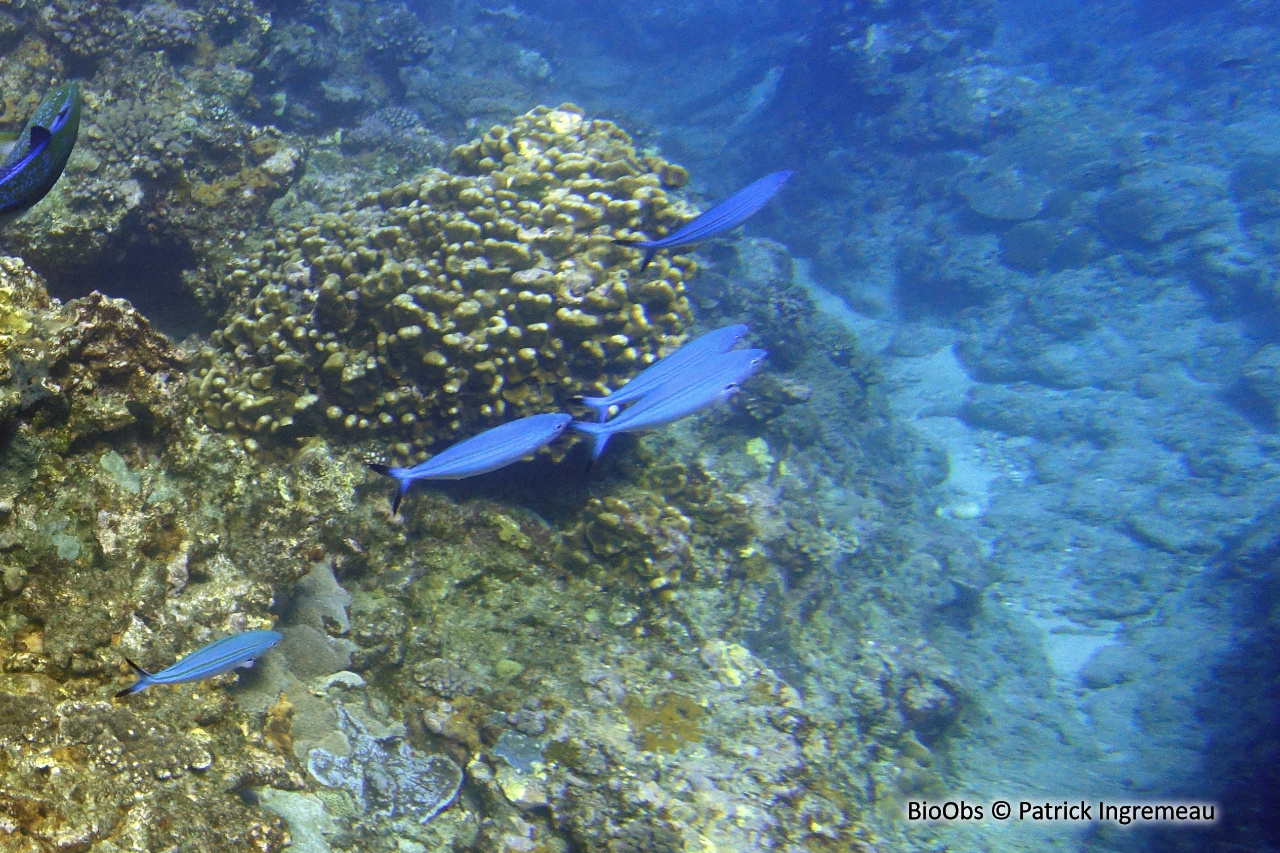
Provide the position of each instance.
(490, 450)
(733, 211)
(682, 360)
(717, 380)
(214, 659)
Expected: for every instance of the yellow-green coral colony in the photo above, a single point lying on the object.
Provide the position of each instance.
(456, 300)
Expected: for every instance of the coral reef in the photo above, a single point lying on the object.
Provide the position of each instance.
(90, 368)
(94, 550)
(893, 58)
(674, 787)
(396, 134)
(131, 524)
(643, 538)
(384, 774)
(454, 300)
(1004, 193)
(411, 649)
(672, 524)
(165, 158)
(325, 62)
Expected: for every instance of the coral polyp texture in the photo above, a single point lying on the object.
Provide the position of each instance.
(455, 301)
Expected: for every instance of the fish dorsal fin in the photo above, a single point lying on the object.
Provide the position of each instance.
(40, 137)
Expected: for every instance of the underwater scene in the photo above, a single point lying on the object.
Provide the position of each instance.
(802, 426)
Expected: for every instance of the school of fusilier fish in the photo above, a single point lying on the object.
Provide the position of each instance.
(698, 375)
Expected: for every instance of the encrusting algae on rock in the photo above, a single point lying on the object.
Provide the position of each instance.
(455, 300)
(589, 671)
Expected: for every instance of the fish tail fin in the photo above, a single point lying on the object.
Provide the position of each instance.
(599, 438)
(601, 408)
(395, 504)
(649, 249)
(597, 447)
(144, 679)
(391, 472)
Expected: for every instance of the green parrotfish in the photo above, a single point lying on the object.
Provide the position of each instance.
(41, 150)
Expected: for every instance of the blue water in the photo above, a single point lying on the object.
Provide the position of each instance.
(1017, 432)
(1054, 226)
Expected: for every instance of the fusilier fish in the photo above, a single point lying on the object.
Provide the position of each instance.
(687, 357)
(40, 153)
(680, 397)
(214, 659)
(490, 450)
(733, 211)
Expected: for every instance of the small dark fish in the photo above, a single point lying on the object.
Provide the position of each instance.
(685, 358)
(214, 659)
(680, 397)
(490, 450)
(733, 211)
(40, 153)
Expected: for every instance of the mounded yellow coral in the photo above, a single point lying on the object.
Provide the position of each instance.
(453, 301)
(642, 538)
(650, 535)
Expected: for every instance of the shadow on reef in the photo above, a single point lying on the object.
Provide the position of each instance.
(149, 276)
(1239, 705)
(857, 60)
(554, 489)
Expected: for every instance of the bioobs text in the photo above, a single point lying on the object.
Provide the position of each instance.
(949, 810)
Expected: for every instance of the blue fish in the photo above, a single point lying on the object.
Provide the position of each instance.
(682, 396)
(733, 211)
(37, 159)
(685, 358)
(214, 659)
(490, 450)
